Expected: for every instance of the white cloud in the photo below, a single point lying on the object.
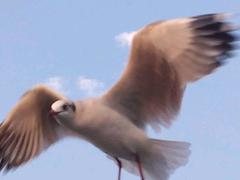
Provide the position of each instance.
(55, 83)
(125, 38)
(90, 87)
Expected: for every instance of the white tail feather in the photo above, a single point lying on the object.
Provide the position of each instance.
(165, 157)
(161, 160)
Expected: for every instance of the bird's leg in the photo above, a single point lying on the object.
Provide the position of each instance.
(119, 168)
(139, 166)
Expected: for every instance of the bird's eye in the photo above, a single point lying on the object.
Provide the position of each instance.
(65, 107)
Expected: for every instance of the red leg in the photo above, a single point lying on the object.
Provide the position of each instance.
(139, 167)
(119, 168)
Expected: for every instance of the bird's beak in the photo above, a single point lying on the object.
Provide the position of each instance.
(52, 113)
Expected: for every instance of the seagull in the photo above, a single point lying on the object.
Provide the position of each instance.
(165, 57)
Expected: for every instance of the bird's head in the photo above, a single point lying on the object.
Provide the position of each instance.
(63, 111)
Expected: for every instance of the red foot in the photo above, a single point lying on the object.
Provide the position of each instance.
(139, 167)
(119, 168)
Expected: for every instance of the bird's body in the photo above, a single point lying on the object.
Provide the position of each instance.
(165, 57)
(107, 129)
(119, 138)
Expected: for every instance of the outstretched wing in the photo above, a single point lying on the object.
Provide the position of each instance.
(165, 56)
(28, 129)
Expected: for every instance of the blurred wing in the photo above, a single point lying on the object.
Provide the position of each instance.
(28, 129)
(165, 56)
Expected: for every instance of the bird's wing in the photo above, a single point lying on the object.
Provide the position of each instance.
(28, 129)
(165, 56)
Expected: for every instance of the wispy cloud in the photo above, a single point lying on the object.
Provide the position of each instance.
(56, 83)
(90, 87)
(125, 38)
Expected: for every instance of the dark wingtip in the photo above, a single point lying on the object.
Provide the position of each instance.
(215, 27)
(204, 20)
(2, 164)
(216, 16)
(214, 32)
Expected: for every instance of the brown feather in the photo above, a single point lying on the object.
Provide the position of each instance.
(165, 57)
(28, 129)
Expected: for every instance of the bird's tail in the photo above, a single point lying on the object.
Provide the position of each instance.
(160, 160)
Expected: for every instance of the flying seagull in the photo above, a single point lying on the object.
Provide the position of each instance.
(165, 56)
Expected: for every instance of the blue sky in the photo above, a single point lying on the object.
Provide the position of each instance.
(71, 45)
